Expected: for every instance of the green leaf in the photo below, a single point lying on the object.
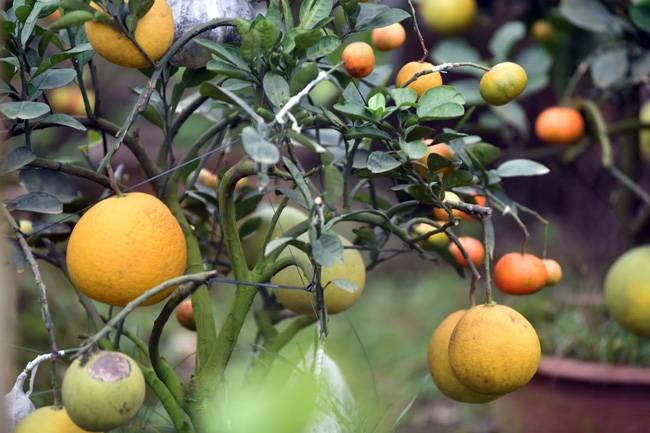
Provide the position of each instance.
(54, 78)
(346, 285)
(366, 132)
(40, 202)
(258, 148)
(505, 39)
(436, 162)
(537, 62)
(377, 104)
(306, 142)
(484, 153)
(333, 183)
(414, 149)
(452, 50)
(319, 10)
(303, 76)
(324, 47)
(30, 22)
(276, 89)
(221, 51)
(228, 70)
(458, 178)
(269, 34)
(72, 19)
(590, 15)
(139, 8)
(53, 182)
(609, 67)
(514, 115)
(381, 162)
(404, 97)
(63, 120)
(298, 178)
(444, 102)
(304, 39)
(19, 157)
(640, 15)
(521, 167)
(372, 16)
(24, 110)
(354, 111)
(327, 249)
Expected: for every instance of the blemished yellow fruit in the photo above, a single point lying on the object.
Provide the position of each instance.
(438, 360)
(494, 349)
(104, 391)
(48, 419)
(253, 244)
(422, 83)
(208, 178)
(448, 16)
(436, 240)
(154, 33)
(69, 100)
(503, 83)
(123, 246)
(26, 226)
(337, 298)
(627, 291)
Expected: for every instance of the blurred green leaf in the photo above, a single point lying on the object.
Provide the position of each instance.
(521, 167)
(24, 110)
(258, 148)
(380, 162)
(19, 157)
(505, 39)
(609, 67)
(39, 202)
(589, 15)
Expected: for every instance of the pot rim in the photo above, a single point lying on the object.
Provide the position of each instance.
(573, 369)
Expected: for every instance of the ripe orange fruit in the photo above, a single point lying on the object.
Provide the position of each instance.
(480, 200)
(494, 349)
(503, 83)
(358, 59)
(448, 16)
(185, 315)
(441, 149)
(424, 82)
(474, 248)
(560, 125)
(542, 30)
(441, 372)
(520, 274)
(123, 246)
(554, 271)
(441, 214)
(389, 38)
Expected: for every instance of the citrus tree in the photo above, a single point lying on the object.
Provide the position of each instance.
(324, 140)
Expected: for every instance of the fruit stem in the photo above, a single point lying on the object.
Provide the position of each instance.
(488, 262)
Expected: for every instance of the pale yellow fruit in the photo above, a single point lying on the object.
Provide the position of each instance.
(48, 419)
(337, 298)
(448, 16)
(154, 33)
(104, 391)
(436, 240)
(123, 246)
(494, 349)
(438, 360)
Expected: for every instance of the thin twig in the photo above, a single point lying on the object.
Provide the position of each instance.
(443, 67)
(425, 50)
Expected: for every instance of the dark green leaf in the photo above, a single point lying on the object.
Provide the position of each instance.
(484, 153)
(139, 8)
(299, 179)
(71, 19)
(380, 162)
(458, 178)
(19, 157)
(258, 148)
(333, 182)
(521, 167)
(52, 182)
(640, 15)
(324, 47)
(303, 76)
(319, 10)
(64, 120)
(24, 110)
(53, 78)
(372, 16)
(40, 202)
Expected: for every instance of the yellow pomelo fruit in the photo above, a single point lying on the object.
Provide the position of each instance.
(103, 392)
(437, 240)
(253, 244)
(448, 16)
(48, 419)
(337, 298)
(627, 291)
(154, 33)
(441, 373)
(123, 246)
(494, 349)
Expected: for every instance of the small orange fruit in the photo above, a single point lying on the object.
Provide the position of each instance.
(520, 274)
(542, 30)
(441, 149)
(554, 271)
(358, 59)
(560, 125)
(480, 200)
(503, 83)
(441, 214)
(185, 314)
(389, 38)
(424, 82)
(475, 251)
(209, 179)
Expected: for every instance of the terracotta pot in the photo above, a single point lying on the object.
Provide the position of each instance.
(569, 396)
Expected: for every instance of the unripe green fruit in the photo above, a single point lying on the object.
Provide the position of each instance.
(48, 419)
(324, 94)
(104, 392)
(253, 244)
